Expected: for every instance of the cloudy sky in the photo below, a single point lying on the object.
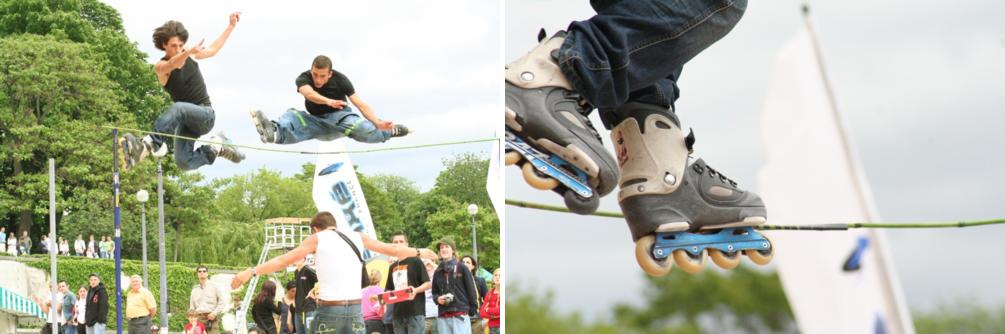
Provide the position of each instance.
(430, 67)
(921, 86)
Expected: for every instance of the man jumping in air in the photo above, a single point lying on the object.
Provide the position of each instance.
(328, 115)
(191, 115)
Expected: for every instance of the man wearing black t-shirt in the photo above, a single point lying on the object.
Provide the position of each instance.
(191, 115)
(304, 303)
(328, 116)
(409, 317)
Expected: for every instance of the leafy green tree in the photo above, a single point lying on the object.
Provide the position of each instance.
(463, 179)
(961, 316)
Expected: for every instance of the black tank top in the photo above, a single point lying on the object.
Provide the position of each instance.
(186, 85)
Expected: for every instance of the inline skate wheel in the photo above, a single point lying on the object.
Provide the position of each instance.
(643, 255)
(761, 257)
(689, 263)
(577, 204)
(725, 260)
(537, 180)
(512, 157)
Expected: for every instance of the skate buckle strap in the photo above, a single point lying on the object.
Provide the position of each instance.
(689, 141)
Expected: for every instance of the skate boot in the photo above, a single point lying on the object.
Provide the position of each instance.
(133, 150)
(223, 148)
(548, 132)
(266, 129)
(399, 131)
(678, 205)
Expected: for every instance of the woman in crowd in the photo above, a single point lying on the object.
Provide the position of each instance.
(490, 309)
(286, 308)
(12, 244)
(79, 308)
(373, 311)
(265, 309)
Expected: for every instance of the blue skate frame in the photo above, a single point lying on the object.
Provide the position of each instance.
(727, 240)
(551, 165)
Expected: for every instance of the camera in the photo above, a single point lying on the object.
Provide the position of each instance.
(448, 298)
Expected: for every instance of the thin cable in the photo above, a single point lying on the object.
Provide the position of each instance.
(261, 148)
(821, 227)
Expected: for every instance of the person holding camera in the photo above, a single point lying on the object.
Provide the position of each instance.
(454, 292)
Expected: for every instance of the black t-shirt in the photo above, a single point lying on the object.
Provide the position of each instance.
(306, 278)
(186, 84)
(401, 275)
(338, 87)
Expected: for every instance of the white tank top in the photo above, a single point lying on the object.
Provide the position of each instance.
(337, 266)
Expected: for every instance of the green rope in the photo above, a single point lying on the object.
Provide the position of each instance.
(822, 227)
(267, 149)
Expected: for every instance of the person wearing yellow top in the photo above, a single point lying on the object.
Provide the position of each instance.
(140, 306)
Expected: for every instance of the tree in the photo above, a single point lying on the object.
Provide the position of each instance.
(463, 179)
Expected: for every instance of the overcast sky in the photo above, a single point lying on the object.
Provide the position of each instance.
(433, 68)
(921, 85)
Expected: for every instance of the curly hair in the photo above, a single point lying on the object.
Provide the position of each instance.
(170, 29)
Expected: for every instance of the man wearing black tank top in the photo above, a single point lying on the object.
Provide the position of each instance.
(328, 116)
(191, 115)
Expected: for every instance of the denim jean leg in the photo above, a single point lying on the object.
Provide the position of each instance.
(295, 126)
(338, 320)
(180, 114)
(630, 45)
(409, 325)
(361, 129)
(454, 325)
(198, 121)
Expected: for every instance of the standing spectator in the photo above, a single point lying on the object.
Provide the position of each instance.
(206, 300)
(386, 319)
(68, 302)
(3, 239)
(64, 247)
(472, 264)
(24, 243)
(111, 247)
(490, 309)
(373, 311)
(140, 306)
(431, 310)
(193, 326)
(103, 248)
(12, 244)
(409, 317)
(79, 246)
(305, 302)
(92, 250)
(45, 245)
(287, 308)
(97, 305)
(264, 309)
(454, 290)
(79, 310)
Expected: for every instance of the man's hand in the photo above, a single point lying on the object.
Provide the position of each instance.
(337, 104)
(425, 253)
(211, 316)
(197, 48)
(441, 300)
(234, 18)
(385, 125)
(240, 278)
(411, 292)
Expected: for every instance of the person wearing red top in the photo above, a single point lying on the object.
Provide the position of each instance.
(490, 309)
(194, 326)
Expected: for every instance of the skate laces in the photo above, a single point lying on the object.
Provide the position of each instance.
(713, 173)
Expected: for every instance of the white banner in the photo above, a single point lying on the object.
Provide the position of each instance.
(493, 183)
(836, 281)
(337, 190)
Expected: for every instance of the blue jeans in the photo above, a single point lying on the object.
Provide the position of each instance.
(68, 329)
(635, 50)
(189, 120)
(453, 325)
(303, 321)
(98, 328)
(296, 126)
(409, 325)
(338, 320)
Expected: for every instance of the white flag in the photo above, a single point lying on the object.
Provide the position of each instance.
(337, 190)
(836, 281)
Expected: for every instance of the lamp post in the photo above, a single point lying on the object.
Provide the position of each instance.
(142, 196)
(472, 210)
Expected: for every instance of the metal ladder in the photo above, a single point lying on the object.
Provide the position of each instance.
(280, 234)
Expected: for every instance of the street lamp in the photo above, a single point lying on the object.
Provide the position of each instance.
(142, 196)
(472, 210)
